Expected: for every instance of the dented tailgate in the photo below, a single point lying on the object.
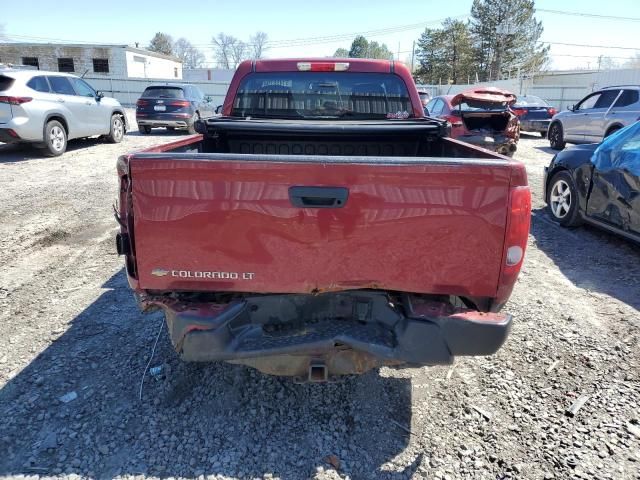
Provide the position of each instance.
(266, 224)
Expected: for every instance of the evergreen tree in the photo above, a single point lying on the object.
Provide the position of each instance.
(161, 43)
(362, 48)
(341, 53)
(445, 54)
(505, 36)
(359, 47)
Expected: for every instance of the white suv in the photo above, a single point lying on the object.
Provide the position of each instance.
(49, 108)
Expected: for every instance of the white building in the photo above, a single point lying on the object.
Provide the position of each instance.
(109, 61)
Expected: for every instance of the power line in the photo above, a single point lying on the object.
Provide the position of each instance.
(590, 15)
(590, 46)
(589, 56)
(297, 42)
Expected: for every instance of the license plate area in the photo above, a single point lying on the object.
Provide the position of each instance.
(160, 108)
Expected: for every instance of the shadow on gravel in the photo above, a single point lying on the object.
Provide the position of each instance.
(194, 419)
(11, 153)
(592, 259)
(548, 150)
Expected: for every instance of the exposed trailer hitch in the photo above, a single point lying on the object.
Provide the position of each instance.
(316, 337)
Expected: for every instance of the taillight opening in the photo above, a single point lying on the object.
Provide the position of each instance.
(552, 111)
(15, 100)
(142, 103)
(455, 121)
(516, 236)
(180, 103)
(518, 112)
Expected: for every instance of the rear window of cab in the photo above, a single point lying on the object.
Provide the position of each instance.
(320, 95)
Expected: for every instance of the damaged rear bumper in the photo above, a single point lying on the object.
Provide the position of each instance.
(335, 333)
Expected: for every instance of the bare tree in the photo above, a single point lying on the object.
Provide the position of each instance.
(181, 48)
(194, 59)
(191, 57)
(633, 62)
(239, 52)
(224, 45)
(607, 63)
(258, 45)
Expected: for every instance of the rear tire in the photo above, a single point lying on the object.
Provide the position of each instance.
(191, 129)
(556, 137)
(116, 133)
(144, 129)
(543, 134)
(55, 138)
(562, 200)
(611, 130)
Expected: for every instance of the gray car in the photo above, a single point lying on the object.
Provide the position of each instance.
(596, 116)
(49, 108)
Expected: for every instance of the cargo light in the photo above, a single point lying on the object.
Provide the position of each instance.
(15, 100)
(323, 66)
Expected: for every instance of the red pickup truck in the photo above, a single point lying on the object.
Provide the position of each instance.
(323, 226)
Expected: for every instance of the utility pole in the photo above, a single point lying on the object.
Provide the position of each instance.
(413, 54)
(398, 51)
(599, 61)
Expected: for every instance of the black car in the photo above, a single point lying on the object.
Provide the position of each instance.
(534, 113)
(601, 189)
(172, 106)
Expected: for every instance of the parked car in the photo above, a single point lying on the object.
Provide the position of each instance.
(480, 116)
(534, 114)
(172, 106)
(596, 116)
(314, 229)
(424, 96)
(47, 109)
(598, 184)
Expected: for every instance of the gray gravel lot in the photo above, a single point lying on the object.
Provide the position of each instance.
(68, 323)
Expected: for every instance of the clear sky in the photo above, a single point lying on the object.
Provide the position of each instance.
(292, 25)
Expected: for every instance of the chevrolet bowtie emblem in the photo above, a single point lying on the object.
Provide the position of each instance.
(159, 272)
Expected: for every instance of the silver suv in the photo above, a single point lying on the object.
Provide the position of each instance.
(49, 108)
(597, 115)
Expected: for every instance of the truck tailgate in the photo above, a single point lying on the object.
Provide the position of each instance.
(225, 222)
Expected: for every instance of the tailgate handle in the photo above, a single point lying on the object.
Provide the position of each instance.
(318, 197)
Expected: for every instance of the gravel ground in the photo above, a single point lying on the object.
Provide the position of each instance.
(68, 323)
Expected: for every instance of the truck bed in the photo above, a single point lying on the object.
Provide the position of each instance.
(219, 213)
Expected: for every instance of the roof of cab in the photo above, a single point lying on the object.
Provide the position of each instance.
(291, 64)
